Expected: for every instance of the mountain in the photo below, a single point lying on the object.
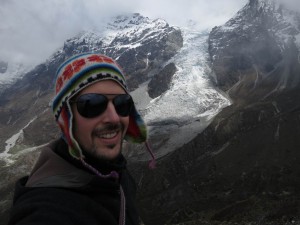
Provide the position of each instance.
(140, 45)
(145, 49)
(179, 110)
(243, 168)
(260, 46)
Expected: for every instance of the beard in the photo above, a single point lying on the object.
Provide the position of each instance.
(98, 153)
(95, 153)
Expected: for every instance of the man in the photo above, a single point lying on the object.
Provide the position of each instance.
(82, 177)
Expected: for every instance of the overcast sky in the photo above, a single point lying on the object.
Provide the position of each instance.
(31, 30)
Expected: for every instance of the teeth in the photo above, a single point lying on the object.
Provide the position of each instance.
(108, 135)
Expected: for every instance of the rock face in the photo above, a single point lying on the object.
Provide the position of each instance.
(161, 82)
(244, 167)
(139, 44)
(258, 48)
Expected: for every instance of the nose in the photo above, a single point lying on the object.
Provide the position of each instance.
(110, 114)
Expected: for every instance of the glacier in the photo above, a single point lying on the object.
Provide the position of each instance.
(192, 93)
(190, 104)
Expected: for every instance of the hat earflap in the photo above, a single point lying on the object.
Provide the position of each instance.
(65, 124)
(137, 130)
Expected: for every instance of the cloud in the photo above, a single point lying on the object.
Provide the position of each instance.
(31, 30)
(291, 4)
(206, 13)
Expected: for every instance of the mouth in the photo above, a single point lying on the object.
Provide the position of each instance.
(110, 134)
(107, 134)
(107, 141)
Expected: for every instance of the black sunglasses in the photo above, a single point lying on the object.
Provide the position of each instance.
(92, 105)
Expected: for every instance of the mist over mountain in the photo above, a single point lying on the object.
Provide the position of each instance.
(222, 106)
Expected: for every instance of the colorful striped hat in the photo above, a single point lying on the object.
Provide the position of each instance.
(77, 73)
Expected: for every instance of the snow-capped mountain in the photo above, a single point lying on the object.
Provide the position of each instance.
(136, 42)
(140, 45)
(263, 38)
(190, 101)
(143, 47)
(10, 73)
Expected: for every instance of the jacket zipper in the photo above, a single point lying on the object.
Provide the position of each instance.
(122, 207)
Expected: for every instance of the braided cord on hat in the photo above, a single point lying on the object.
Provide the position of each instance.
(152, 163)
(112, 174)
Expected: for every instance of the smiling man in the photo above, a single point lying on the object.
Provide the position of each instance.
(82, 177)
(102, 136)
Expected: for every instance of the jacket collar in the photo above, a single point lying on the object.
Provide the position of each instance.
(56, 168)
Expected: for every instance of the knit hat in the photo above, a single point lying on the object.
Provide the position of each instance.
(77, 73)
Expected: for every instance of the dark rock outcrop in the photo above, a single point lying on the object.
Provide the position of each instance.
(161, 81)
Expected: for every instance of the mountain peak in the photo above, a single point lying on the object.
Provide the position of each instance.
(270, 6)
(264, 33)
(127, 20)
(261, 3)
(267, 14)
(132, 20)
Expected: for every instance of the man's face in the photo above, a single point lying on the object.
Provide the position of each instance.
(102, 135)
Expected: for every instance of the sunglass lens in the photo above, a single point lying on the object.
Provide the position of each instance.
(123, 104)
(91, 105)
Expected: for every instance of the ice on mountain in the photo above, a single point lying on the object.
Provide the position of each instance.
(192, 93)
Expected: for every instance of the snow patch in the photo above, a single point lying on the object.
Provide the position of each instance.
(13, 73)
(12, 141)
